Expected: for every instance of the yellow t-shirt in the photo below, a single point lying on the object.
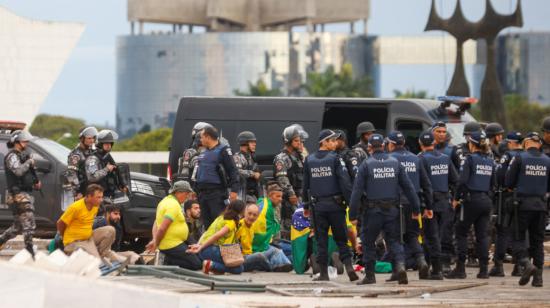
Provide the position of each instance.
(79, 221)
(245, 236)
(178, 231)
(216, 226)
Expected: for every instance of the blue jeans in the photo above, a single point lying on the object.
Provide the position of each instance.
(286, 247)
(265, 261)
(213, 254)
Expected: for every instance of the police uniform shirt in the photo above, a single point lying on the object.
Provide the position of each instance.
(209, 162)
(418, 176)
(96, 171)
(350, 159)
(445, 148)
(503, 165)
(288, 172)
(379, 178)
(18, 174)
(528, 174)
(76, 173)
(440, 170)
(477, 173)
(186, 165)
(325, 176)
(361, 151)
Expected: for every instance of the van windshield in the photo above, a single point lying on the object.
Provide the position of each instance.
(53, 148)
(456, 130)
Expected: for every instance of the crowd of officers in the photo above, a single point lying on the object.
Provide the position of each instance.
(432, 206)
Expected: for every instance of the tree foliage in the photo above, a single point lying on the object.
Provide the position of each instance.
(411, 94)
(258, 89)
(55, 127)
(156, 140)
(342, 84)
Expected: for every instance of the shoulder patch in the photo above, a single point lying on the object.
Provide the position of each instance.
(279, 166)
(228, 150)
(74, 159)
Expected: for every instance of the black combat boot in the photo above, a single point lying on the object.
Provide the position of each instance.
(337, 263)
(528, 271)
(30, 249)
(393, 276)
(459, 272)
(401, 273)
(423, 268)
(350, 270)
(323, 273)
(445, 265)
(368, 279)
(518, 270)
(436, 273)
(537, 278)
(483, 274)
(497, 270)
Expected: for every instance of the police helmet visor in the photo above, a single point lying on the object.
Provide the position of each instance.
(20, 136)
(88, 132)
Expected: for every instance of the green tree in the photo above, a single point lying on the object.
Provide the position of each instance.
(258, 89)
(411, 94)
(342, 84)
(156, 140)
(58, 128)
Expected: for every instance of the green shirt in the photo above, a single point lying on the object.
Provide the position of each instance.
(265, 227)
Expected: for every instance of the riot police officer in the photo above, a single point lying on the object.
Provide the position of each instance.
(75, 176)
(504, 230)
(440, 217)
(364, 131)
(440, 135)
(327, 191)
(379, 179)
(246, 163)
(495, 133)
(188, 161)
(473, 196)
(528, 177)
(21, 179)
(422, 187)
(546, 136)
(216, 173)
(101, 168)
(460, 151)
(288, 169)
(349, 156)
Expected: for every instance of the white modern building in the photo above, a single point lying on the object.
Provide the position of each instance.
(32, 54)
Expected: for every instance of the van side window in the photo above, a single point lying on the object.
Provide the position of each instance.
(411, 130)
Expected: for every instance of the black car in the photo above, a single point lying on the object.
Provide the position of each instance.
(138, 208)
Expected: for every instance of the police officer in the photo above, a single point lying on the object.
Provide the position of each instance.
(349, 156)
(441, 136)
(460, 151)
(327, 191)
(101, 167)
(504, 231)
(422, 187)
(473, 195)
(288, 169)
(189, 159)
(21, 180)
(216, 172)
(379, 179)
(528, 176)
(546, 136)
(440, 217)
(364, 131)
(246, 163)
(75, 176)
(495, 133)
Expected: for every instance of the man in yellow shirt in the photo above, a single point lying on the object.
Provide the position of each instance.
(170, 231)
(75, 227)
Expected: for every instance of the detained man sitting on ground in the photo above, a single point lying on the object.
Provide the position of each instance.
(192, 211)
(111, 217)
(75, 227)
(170, 231)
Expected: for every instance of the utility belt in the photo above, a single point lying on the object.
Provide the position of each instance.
(440, 195)
(208, 188)
(338, 199)
(384, 204)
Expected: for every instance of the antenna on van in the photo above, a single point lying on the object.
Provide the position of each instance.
(463, 103)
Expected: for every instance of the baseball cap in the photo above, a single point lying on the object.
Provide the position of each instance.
(426, 138)
(326, 134)
(376, 140)
(396, 137)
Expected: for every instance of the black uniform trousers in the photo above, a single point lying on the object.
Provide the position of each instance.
(432, 231)
(446, 226)
(477, 212)
(333, 217)
(375, 220)
(504, 233)
(535, 223)
(412, 231)
(212, 204)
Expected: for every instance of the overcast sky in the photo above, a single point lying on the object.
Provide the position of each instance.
(87, 84)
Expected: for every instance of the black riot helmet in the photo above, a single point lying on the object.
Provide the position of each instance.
(291, 132)
(365, 127)
(472, 127)
(546, 125)
(244, 137)
(19, 136)
(493, 129)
